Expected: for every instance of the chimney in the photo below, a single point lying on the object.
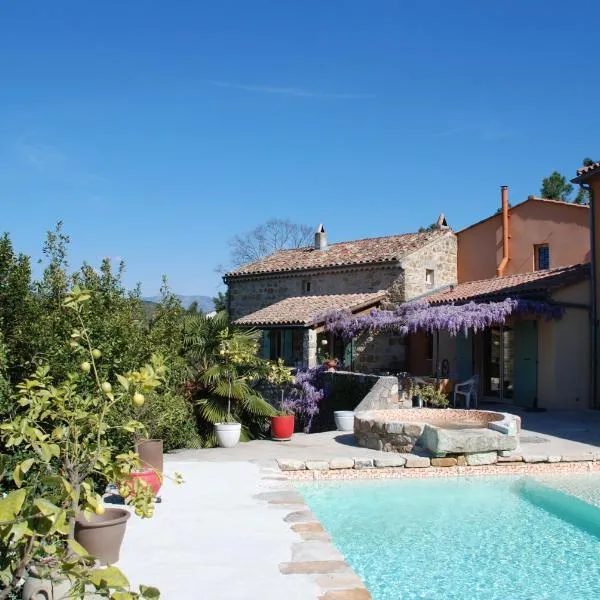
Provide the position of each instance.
(320, 238)
(441, 222)
(504, 261)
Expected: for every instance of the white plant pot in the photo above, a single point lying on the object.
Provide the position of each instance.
(344, 420)
(228, 434)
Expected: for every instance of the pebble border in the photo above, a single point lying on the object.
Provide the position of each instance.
(420, 467)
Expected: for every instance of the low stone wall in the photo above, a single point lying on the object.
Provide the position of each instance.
(469, 431)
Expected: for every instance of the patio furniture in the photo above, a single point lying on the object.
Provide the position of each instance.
(468, 389)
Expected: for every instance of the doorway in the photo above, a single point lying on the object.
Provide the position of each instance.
(499, 363)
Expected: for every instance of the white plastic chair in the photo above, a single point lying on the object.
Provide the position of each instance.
(468, 389)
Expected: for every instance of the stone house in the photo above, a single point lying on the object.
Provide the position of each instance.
(285, 294)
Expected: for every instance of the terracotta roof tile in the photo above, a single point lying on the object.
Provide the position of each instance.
(302, 310)
(584, 172)
(511, 285)
(357, 252)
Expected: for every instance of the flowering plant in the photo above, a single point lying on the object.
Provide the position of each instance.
(421, 316)
(308, 393)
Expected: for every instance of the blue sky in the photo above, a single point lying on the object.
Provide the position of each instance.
(158, 130)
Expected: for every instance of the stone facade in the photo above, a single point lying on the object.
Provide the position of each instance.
(416, 273)
(248, 294)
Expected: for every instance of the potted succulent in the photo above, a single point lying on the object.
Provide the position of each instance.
(282, 424)
(54, 523)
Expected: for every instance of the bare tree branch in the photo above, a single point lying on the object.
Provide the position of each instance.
(275, 234)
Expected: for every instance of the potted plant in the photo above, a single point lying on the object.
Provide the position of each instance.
(282, 424)
(431, 395)
(325, 357)
(54, 524)
(231, 375)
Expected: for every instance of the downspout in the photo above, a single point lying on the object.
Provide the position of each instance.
(504, 261)
(594, 311)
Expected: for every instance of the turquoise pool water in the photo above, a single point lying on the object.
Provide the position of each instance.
(464, 538)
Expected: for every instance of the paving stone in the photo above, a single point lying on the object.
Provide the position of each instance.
(310, 531)
(461, 461)
(312, 567)
(290, 464)
(554, 459)
(444, 462)
(512, 458)
(341, 463)
(281, 497)
(535, 458)
(317, 465)
(577, 457)
(416, 462)
(314, 550)
(363, 463)
(351, 594)
(339, 581)
(504, 453)
(300, 516)
(481, 458)
(389, 461)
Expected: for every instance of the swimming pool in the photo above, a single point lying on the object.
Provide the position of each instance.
(464, 538)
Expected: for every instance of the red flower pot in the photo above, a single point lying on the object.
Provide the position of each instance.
(149, 477)
(282, 428)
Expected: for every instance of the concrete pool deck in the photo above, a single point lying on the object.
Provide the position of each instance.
(236, 530)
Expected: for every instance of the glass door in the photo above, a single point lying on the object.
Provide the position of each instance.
(499, 365)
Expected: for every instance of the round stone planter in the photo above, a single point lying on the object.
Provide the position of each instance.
(344, 420)
(103, 534)
(35, 588)
(228, 434)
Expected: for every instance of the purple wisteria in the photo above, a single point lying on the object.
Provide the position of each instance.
(420, 316)
(307, 394)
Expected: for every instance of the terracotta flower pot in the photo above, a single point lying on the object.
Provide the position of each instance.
(102, 535)
(151, 454)
(282, 428)
(150, 477)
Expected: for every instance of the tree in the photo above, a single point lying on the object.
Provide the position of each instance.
(583, 195)
(556, 187)
(221, 301)
(275, 234)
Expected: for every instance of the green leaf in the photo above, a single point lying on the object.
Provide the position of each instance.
(78, 549)
(109, 576)
(123, 381)
(122, 596)
(46, 507)
(26, 465)
(11, 505)
(17, 476)
(151, 593)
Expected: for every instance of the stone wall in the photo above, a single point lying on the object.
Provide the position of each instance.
(248, 295)
(438, 256)
(380, 352)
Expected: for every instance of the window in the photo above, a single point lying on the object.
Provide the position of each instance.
(306, 287)
(429, 276)
(541, 254)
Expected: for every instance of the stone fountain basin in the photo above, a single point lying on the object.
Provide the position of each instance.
(441, 431)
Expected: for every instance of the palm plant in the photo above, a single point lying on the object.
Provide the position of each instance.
(223, 366)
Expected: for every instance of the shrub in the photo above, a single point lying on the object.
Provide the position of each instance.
(432, 396)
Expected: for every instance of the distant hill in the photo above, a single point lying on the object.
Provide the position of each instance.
(205, 303)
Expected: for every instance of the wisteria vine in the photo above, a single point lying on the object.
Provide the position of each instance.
(308, 392)
(421, 316)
